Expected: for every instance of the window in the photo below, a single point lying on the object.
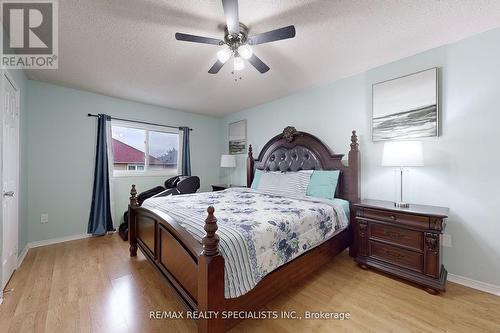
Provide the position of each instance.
(143, 149)
(135, 167)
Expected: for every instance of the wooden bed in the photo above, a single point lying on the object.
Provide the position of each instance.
(196, 271)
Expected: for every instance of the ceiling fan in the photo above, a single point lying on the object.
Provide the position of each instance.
(236, 41)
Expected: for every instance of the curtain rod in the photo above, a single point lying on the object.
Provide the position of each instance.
(137, 121)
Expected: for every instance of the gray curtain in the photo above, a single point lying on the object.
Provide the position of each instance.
(100, 221)
(186, 156)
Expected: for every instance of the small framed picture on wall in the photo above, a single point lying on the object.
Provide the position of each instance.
(407, 107)
(238, 137)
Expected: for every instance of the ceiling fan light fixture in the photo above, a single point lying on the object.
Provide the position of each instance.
(224, 54)
(239, 64)
(236, 42)
(245, 51)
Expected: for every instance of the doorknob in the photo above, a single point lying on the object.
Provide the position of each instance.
(9, 194)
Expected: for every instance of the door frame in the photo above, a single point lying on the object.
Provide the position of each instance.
(6, 74)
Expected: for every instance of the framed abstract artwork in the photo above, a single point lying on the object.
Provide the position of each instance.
(238, 137)
(407, 107)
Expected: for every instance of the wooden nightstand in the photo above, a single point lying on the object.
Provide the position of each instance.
(220, 187)
(401, 241)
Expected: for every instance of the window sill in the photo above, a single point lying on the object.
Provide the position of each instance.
(143, 174)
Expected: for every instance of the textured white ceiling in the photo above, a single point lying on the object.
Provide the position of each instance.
(127, 49)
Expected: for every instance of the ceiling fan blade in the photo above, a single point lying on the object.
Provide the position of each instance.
(216, 67)
(198, 39)
(232, 18)
(273, 35)
(259, 64)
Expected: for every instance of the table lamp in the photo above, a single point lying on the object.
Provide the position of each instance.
(402, 154)
(228, 161)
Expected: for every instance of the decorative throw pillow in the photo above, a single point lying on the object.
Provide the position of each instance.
(323, 184)
(285, 183)
(256, 178)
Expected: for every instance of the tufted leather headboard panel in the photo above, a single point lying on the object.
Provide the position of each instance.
(293, 151)
(294, 159)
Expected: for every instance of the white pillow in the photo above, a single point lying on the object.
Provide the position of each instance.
(285, 183)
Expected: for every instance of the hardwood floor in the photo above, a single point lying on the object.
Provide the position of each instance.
(91, 285)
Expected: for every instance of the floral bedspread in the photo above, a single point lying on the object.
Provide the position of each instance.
(258, 231)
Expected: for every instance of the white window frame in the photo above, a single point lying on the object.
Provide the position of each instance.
(146, 172)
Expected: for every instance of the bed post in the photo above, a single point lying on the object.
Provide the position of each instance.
(131, 222)
(250, 166)
(211, 278)
(354, 192)
(353, 161)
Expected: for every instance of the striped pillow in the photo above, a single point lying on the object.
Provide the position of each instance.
(285, 183)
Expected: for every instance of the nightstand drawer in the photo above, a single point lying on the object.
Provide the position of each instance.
(408, 238)
(397, 256)
(417, 221)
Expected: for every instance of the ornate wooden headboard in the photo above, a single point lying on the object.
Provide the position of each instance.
(293, 150)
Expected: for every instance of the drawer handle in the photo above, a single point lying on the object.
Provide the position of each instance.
(393, 234)
(393, 217)
(393, 254)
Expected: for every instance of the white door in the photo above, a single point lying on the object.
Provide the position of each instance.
(9, 177)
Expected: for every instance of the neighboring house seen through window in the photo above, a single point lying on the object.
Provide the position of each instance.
(135, 167)
(144, 150)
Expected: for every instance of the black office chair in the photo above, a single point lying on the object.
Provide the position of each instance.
(174, 186)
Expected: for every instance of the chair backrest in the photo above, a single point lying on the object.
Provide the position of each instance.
(149, 193)
(188, 184)
(172, 182)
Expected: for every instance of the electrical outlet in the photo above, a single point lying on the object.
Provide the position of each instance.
(44, 218)
(446, 240)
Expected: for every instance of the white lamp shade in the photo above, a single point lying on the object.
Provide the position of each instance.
(228, 161)
(224, 54)
(245, 51)
(403, 154)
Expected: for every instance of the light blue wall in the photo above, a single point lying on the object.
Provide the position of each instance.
(61, 145)
(461, 166)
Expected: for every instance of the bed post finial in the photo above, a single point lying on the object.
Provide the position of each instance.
(211, 240)
(354, 141)
(133, 197)
(250, 166)
(289, 133)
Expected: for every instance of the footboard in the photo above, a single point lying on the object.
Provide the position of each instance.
(194, 270)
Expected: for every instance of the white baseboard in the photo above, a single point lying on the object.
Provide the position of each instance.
(22, 255)
(57, 240)
(483, 286)
(51, 241)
